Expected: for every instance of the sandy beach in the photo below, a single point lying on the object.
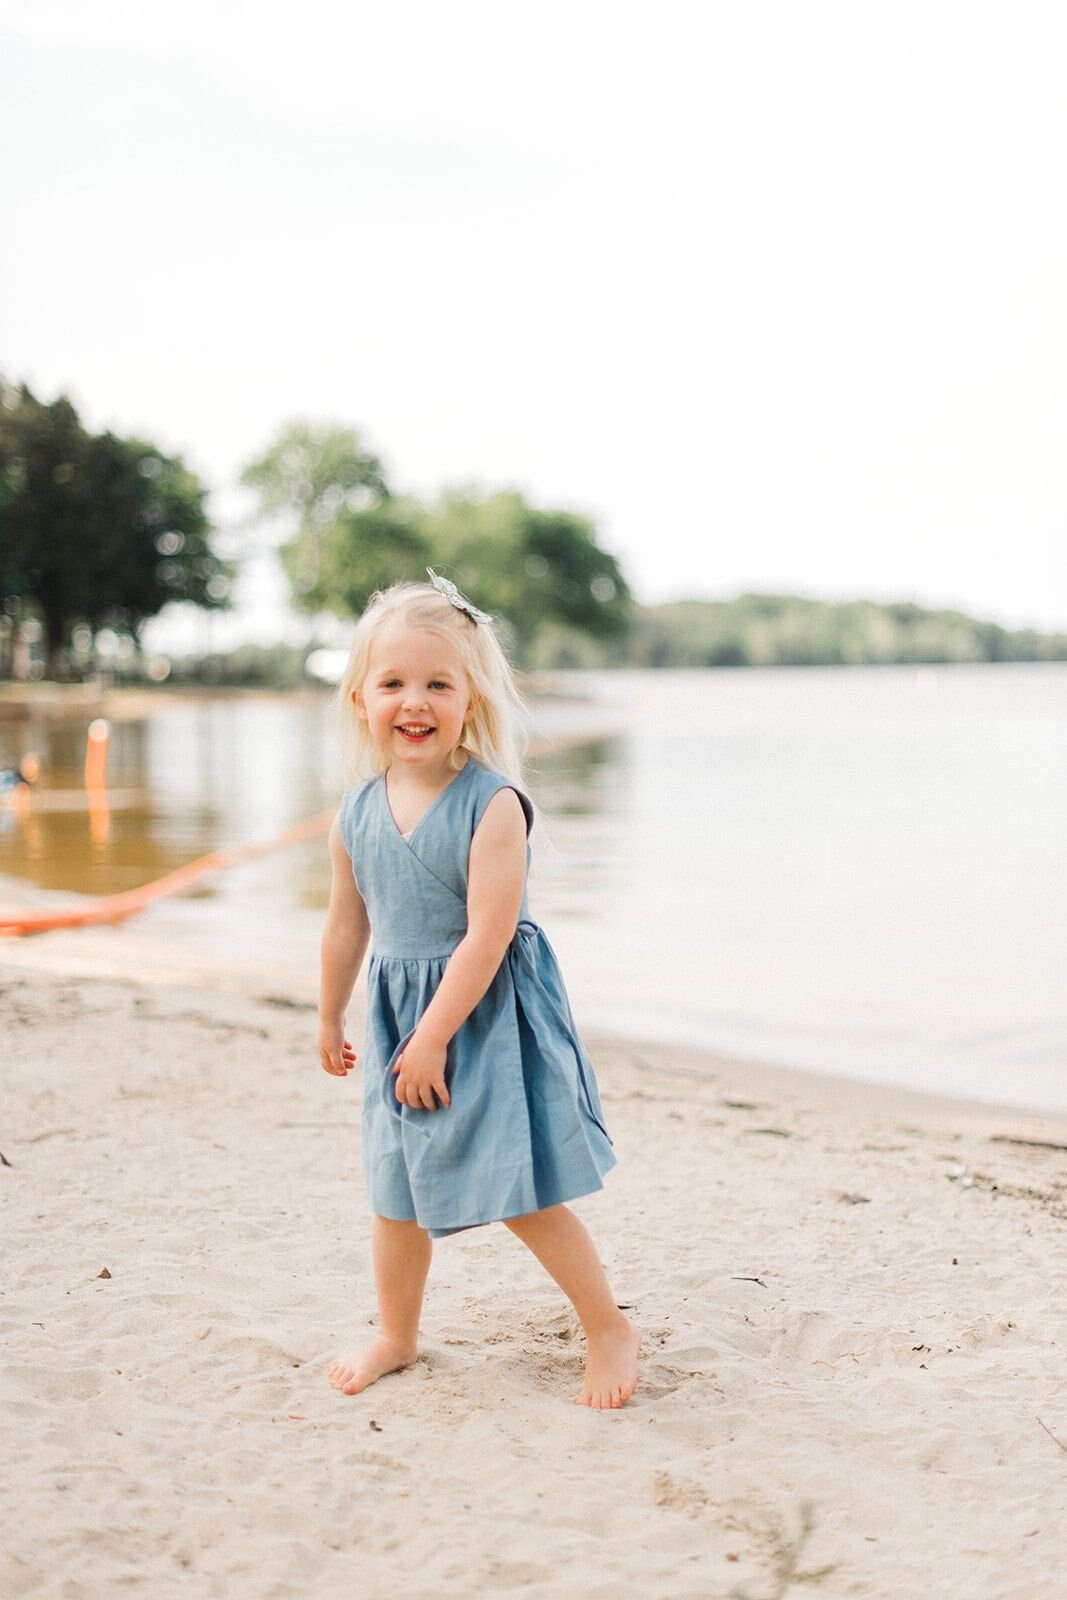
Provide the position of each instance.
(853, 1305)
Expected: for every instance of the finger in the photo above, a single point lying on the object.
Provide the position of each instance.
(442, 1093)
(426, 1097)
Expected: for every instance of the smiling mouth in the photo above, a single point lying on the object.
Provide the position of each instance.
(415, 732)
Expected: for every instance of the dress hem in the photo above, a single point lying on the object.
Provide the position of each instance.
(463, 1227)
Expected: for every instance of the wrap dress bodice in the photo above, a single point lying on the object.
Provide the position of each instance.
(525, 1127)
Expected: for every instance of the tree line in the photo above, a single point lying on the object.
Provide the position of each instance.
(98, 531)
(783, 630)
(347, 532)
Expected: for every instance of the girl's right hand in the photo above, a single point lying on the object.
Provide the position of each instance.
(336, 1054)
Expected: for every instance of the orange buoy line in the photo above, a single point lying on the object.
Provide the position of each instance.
(115, 907)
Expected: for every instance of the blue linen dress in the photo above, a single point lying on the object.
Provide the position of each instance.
(525, 1128)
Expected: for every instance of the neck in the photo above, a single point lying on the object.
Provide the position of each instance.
(423, 779)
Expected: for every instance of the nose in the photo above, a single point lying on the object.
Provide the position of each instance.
(414, 699)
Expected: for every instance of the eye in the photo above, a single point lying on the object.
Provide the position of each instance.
(438, 683)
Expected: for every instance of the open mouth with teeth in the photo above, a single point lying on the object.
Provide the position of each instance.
(415, 732)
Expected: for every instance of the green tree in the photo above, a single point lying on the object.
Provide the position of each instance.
(153, 537)
(311, 479)
(95, 528)
(368, 550)
(535, 568)
(347, 535)
(44, 458)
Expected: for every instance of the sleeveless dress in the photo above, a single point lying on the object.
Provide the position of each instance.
(525, 1128)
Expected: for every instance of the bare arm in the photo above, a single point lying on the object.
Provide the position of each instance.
(495, 880)
(344, 944)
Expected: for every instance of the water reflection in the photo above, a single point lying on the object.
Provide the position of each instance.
(188, 780)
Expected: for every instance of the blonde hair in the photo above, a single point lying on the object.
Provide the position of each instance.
(495, 728)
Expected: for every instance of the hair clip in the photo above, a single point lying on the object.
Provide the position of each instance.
(446, 587)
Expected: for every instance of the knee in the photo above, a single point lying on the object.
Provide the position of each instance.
(531, 1219)
(400, 1228)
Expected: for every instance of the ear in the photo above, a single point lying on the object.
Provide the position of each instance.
(357, 701)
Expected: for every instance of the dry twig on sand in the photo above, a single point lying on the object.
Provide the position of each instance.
(1050, 1433)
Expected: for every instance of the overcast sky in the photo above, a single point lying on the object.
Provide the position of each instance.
(774, 293)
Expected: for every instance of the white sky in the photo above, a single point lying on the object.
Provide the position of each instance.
(775, 293)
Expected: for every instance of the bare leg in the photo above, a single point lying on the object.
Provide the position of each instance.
(402, 1252)
(562, 1244)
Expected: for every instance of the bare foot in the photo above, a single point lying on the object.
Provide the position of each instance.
(610, 1367)
(353, 1374)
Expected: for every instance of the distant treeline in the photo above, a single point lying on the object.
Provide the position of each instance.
(98, 534)
(754, 630)
(781, 630)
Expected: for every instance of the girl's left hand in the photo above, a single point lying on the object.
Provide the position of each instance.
(421, 1074)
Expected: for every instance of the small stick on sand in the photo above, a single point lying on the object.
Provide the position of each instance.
(1051, 1435)
(1038, 1144)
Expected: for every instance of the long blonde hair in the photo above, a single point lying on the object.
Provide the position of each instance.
(495, 728)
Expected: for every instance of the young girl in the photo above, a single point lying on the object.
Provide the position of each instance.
(479, 1100)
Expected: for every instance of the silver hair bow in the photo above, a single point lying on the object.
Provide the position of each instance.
(446, 587)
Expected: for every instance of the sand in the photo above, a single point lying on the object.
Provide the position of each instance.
(854, 1306)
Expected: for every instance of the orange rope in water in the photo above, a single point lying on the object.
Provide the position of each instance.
(115, 907)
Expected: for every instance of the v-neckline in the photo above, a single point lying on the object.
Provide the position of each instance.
(406, 839)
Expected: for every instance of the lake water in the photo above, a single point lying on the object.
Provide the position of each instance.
(861, 871)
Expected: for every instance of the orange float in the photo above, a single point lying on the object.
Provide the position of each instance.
(116, 907)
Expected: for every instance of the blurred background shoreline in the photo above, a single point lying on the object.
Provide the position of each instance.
(854, 872)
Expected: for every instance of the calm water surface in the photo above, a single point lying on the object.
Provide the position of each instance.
(859, 871)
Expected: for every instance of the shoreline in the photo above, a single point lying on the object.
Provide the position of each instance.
(762, 1039)
(129, 957)
(126, 702)
(825, 1090)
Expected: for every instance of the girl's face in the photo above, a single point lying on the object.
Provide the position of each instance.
(414, 697)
